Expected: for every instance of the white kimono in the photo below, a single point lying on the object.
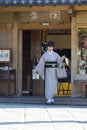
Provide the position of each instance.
(49, 74)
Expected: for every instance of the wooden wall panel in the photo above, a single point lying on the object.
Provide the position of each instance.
(35, 43)
(6, 17)
(61, 41)
(6, 39)
(81, 17)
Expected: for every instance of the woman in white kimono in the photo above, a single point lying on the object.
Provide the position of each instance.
(47, 70)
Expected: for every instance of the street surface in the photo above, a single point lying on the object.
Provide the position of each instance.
(42, 117)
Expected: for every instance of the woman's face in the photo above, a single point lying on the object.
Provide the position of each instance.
(50, 48)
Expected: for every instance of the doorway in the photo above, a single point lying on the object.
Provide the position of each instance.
(26, 62)
(32, 45)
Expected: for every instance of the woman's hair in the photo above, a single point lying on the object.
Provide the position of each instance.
(50, 43)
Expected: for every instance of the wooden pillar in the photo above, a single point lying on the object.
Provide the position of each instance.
(15, 48)
(73, 54)
(20, 63)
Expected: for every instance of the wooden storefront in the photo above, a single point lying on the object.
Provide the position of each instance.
(17, 29)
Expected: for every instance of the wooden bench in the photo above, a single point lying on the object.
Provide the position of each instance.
(82, 83)
(8, 76)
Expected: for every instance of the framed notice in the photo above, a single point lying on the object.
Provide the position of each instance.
(5, 55)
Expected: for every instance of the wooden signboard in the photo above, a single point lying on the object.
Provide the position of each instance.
(5, 55)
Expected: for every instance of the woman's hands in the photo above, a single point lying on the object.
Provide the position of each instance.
(63, 57)
(34, 70)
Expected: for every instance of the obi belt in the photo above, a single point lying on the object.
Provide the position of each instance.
(51, 64)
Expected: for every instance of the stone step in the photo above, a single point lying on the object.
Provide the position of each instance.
(41, 100)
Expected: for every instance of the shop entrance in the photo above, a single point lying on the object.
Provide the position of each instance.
(34, 44)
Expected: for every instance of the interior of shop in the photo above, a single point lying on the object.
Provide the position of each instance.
(33, 47)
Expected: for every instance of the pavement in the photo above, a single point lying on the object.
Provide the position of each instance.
(42, 116)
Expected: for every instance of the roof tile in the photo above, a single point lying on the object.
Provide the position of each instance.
(40, 2)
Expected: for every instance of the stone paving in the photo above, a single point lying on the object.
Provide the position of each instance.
(41, 117)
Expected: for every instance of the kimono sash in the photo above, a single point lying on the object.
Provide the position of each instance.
(51, 64)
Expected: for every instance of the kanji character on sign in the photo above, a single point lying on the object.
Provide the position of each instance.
(34, 15)
(55, 15)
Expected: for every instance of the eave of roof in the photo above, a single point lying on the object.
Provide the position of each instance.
(41, 2)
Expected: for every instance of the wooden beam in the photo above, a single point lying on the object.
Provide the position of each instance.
(38, 26)
(32, 8)
(35, 26)
(80, 8)
(41, 8)
(6, 26)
